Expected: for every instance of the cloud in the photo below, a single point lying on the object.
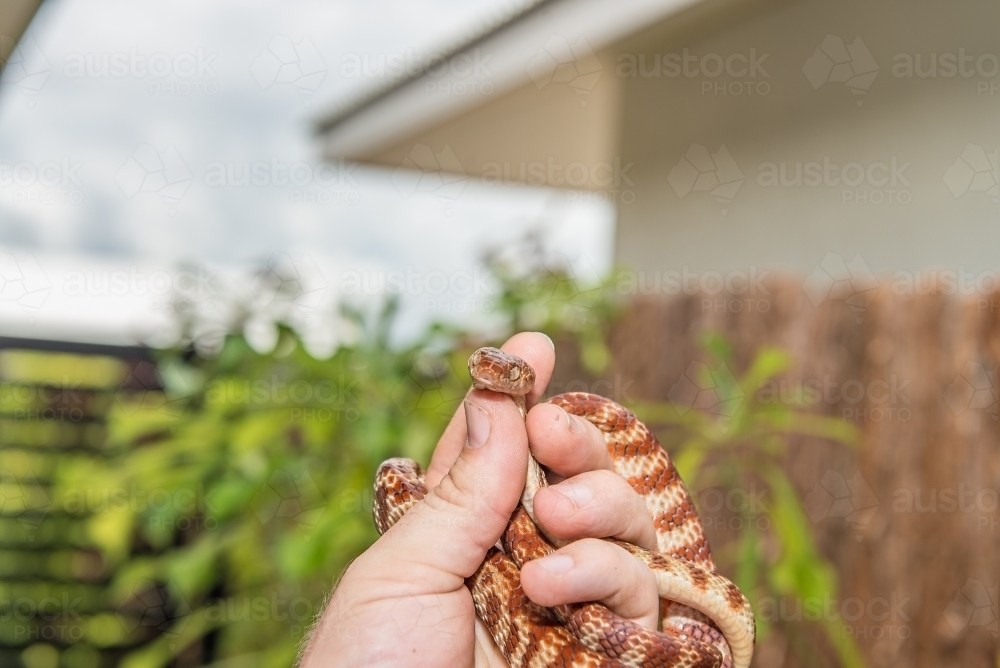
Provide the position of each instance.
(125, 132)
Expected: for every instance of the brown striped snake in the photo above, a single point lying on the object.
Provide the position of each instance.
(705, 619)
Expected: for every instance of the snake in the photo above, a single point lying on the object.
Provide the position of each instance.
(705, 620)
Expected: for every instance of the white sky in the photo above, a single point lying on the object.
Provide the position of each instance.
(77, 202)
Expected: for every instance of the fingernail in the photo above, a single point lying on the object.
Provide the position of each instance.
(477, 424)
(556, 564)
(575, 423)
(548, 338)
(579, 494)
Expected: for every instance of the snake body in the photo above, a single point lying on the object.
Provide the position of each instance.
(706, 621)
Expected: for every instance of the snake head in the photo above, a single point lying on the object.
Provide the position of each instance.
(493, 369)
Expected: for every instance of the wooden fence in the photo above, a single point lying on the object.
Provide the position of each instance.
(910, 518)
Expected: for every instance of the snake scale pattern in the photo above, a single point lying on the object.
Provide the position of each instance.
(706, 622)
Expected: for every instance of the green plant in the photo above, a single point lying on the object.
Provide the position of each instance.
(237, 493)
(740, 444)
(244, 487)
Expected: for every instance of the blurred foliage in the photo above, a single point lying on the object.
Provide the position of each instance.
(238, 491)
(738, 444)
(246, 483)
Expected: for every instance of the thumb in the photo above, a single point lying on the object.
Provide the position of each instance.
(464, 515)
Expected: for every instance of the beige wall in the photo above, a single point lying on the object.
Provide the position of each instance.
(923, 123)
(558, 133)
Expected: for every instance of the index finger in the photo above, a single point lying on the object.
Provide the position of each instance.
(534, 348)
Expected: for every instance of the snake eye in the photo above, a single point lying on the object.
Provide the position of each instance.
(514, 374)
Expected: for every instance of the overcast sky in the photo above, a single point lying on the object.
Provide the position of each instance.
(126, 128)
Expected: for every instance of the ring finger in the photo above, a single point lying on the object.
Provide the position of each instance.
(594, 570)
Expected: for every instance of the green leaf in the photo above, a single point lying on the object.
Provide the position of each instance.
(689, 460)
(192, 570)
(229, 496)
(717, 345)
(595, 356)
(768, 362)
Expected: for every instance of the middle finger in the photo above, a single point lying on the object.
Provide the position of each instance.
(565, 444)
(595, 504)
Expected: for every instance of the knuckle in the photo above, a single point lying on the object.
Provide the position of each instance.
(448, 495)
(457, 494)
(456, 489)
(595, 551)
(614, 495)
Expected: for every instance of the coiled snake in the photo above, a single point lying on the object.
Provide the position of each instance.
(706, 621)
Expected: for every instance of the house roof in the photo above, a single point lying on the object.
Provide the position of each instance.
(14, 19)
(509, 44)
(367, 96)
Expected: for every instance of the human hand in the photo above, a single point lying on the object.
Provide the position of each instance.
(404, 601)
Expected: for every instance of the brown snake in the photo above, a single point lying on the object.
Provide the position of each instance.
(706, 621)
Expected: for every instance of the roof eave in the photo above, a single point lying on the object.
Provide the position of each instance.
(505, 55)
